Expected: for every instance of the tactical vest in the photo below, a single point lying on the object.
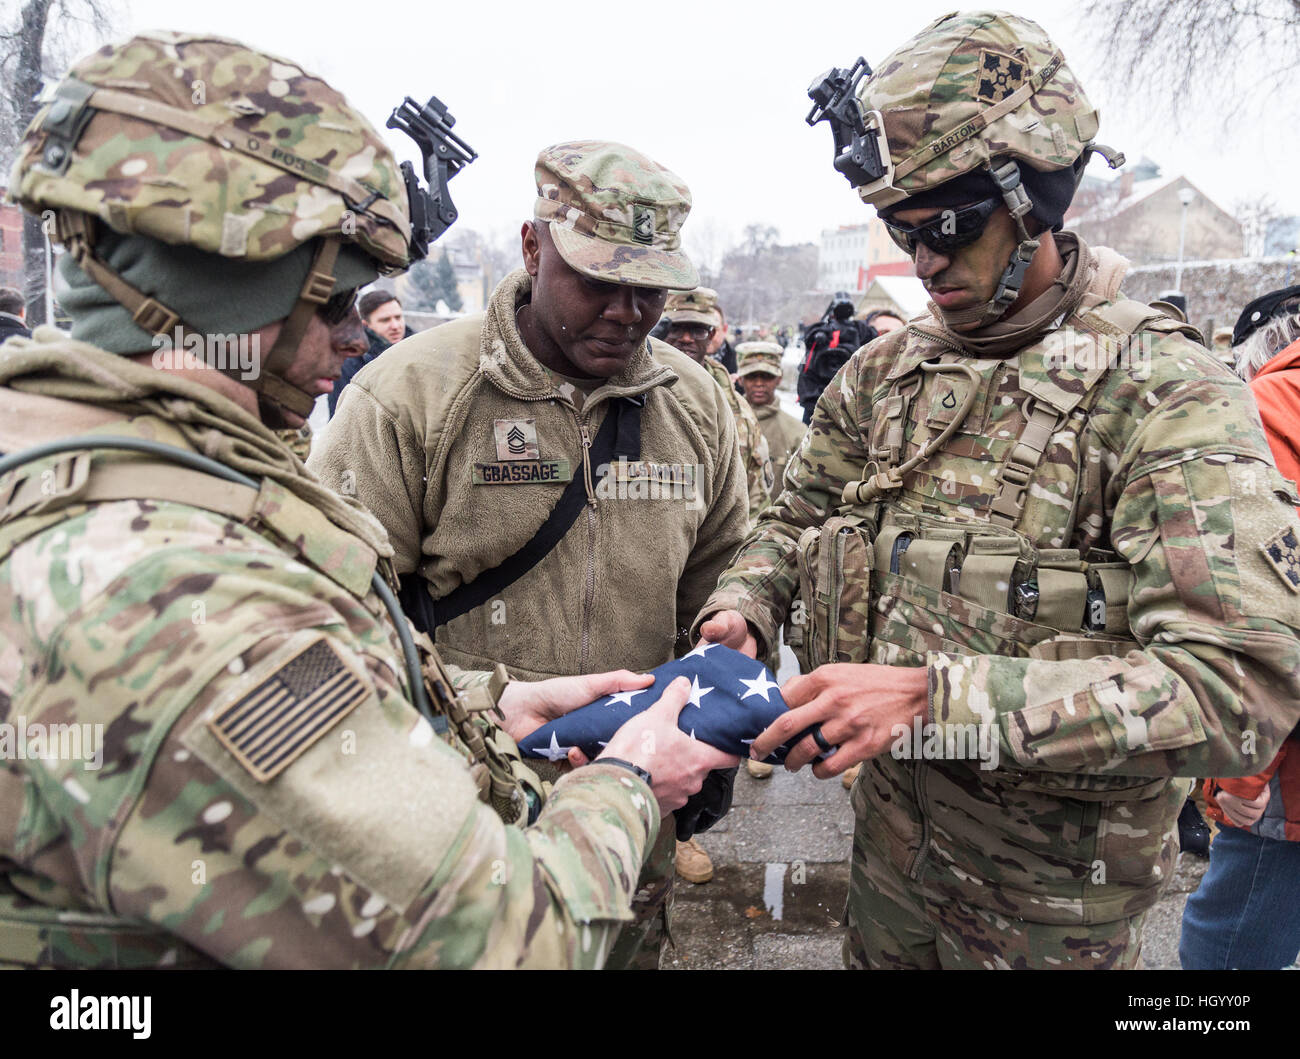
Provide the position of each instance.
(917, 559)
(39, 926)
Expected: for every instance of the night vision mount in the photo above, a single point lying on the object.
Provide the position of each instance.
(445, 155)
(861, 151)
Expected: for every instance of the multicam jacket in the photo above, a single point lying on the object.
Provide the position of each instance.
(1153, 490)
(249, 784)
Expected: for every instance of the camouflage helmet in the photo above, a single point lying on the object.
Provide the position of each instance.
(202, 141)
(967, 89)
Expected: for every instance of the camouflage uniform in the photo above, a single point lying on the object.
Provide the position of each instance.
(265, 794)
(782, 430)
(1092, 564)
(700, 306)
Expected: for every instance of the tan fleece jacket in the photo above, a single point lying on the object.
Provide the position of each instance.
(439, 411)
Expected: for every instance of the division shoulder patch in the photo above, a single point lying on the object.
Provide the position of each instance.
(999, 76)
(1282, 551)
(275, 722)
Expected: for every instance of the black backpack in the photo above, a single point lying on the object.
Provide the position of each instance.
(829, 343)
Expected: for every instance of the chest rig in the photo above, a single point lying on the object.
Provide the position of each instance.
(967, 531)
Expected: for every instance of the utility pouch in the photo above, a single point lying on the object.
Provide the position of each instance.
(835, 563)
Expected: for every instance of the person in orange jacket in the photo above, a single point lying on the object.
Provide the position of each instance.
(1246, 912)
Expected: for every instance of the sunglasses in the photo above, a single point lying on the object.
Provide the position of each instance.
(949, 231)
(335, 309)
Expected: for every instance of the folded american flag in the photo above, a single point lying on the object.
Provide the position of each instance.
(733, 698)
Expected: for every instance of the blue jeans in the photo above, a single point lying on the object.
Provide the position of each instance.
(1246, 912)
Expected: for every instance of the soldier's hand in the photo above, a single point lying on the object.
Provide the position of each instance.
(677, 763)
(527, 705)
(729, 628)
(1244, 812)
(857, 707)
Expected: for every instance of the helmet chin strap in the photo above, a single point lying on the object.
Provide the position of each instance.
(1007, 178)
(76, 231)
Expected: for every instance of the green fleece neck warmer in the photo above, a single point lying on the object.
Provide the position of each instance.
(214, 295)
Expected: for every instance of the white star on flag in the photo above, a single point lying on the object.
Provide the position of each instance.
(759, 686)
(625, 697)
(697, 692)
(700, 648)
(554, 752)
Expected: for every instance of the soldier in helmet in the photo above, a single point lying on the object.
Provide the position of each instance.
(269, 770)
(1049, 565)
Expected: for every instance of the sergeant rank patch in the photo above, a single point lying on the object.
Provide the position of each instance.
(516, 438)
(999, 76)
(278, 720)
(1282, 550)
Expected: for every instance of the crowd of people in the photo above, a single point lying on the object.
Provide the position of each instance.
(1075, 578)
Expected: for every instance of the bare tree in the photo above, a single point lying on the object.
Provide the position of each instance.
(1255, 215)
(45, 36)
(1186, 59)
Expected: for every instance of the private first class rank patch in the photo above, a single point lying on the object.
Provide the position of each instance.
(275, 722)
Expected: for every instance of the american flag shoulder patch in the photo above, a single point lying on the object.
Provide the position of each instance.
(273, 724)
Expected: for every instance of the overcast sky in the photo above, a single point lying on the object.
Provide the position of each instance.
(713, 90)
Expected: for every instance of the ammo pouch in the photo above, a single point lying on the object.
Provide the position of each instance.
(979, 589)
(835, 562)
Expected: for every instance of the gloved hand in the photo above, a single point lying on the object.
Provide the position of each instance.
(708, 805)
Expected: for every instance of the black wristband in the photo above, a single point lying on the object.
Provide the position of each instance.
(627, 765)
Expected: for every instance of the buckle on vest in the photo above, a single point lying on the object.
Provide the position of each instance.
(1016, 475)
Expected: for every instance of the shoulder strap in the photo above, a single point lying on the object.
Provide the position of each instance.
(619, 435)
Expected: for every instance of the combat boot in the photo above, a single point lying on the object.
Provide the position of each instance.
(1193, 831)
(693, 864)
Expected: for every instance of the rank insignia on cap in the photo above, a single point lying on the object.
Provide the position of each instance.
(999, 76)
(274, 724)
(1282, 551)
(643, 223)
(516, 438)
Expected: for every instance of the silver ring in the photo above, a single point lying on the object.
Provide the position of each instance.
(820, 739)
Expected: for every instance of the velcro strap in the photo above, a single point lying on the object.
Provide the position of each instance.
(929, 561)
(988, 573)
(1062, 590)
(1116, 583)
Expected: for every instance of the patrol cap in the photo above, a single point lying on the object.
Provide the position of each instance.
(753, 358)
(698, 306)
(614, 214)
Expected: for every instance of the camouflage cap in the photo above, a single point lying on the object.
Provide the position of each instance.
(966, 89)
(197, 140)
(614, 214)
(698, 306)
(753, 358)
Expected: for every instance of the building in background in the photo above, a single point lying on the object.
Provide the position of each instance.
(851, 256)
(1139, 214)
